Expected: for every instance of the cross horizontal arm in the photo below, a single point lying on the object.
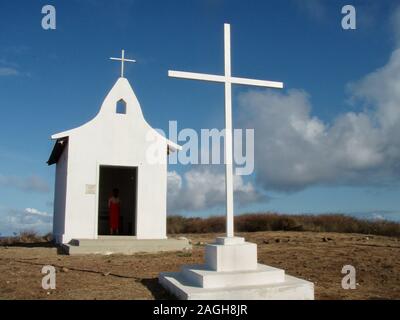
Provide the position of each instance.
(196, 76)
(119, 59)
(216, 78)
(259, 83)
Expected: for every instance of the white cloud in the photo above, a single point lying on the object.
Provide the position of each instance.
(8, 67)
(377, 216)
(204, 188)
(35, 212)
(294, 150)
(7, 71)
(17, 220)
(31, 183)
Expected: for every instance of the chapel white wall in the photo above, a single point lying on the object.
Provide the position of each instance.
(60, 190)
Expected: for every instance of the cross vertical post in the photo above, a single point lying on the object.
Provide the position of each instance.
(122, 63)
(228, 134)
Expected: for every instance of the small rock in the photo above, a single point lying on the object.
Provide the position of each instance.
(182, 238)
(201, 243)
(105, 274)
(64, 269)
(48, 293)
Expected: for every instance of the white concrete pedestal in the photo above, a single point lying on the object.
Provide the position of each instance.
(231, 272)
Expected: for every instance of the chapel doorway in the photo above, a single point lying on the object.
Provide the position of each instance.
(125, 180)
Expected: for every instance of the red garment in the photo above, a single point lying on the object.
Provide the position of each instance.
(114, 214)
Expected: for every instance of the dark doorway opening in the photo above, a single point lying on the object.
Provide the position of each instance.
(124, 179)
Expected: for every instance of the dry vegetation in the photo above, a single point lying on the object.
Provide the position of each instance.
(26, 237)
(279, 222)
(252, 223)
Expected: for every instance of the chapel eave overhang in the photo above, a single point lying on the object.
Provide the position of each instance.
(57, 151)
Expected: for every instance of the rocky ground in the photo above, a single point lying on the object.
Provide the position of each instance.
(318, 257)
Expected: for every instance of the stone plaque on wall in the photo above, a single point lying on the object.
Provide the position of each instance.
(90, 189)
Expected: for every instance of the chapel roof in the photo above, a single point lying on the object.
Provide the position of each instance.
(122, 85)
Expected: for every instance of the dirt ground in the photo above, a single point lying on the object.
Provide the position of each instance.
(318, 257)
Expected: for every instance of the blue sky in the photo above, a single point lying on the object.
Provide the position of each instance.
(51, 81)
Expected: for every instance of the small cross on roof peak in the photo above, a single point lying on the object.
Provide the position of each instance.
(123, 60)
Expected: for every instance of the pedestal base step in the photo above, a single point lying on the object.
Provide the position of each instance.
(184, 287)
(201, 276)
(121, 245)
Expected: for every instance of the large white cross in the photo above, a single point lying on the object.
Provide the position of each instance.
(122, 59)
(228, 80)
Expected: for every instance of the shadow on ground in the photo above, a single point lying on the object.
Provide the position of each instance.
(158, 292)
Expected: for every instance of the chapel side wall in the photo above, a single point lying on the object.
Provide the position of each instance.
(152, 198)
(81, 218)
(60, 191)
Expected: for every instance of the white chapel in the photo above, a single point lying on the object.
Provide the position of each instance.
(108, 152)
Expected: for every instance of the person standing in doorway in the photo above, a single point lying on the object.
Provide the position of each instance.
(114, 211)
